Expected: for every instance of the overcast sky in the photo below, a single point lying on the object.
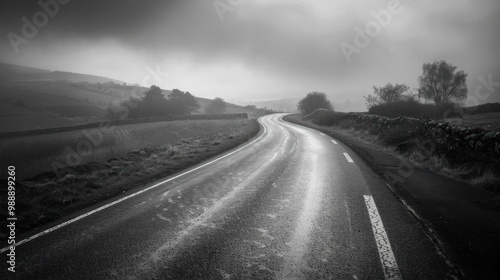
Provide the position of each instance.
(260, 49)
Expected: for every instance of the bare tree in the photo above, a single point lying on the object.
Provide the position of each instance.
(441, 84)
(314, 100)
(386, 95)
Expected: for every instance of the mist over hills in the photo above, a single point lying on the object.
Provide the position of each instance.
(290, 105)
(13, 73)
(32, 98)
(281, 105)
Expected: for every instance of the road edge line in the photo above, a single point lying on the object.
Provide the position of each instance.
(56, 227)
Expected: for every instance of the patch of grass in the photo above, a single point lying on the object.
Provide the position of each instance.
(489, 121)
(489, 180)
(439, 164)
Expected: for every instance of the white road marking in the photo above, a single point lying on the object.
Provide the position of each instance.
(348, 157)
(334, 142)
(322, 134)
(387, 259)
(54, 228)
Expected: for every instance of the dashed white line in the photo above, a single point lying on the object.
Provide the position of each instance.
(334, 142)
(322, 134)
(348, 157)
(387, 259)
(133, 194)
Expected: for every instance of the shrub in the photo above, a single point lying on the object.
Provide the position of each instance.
(324, 117)
(414, 109)
(387, 95)
(313, 101)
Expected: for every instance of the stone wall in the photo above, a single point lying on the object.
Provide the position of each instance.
(459, 144)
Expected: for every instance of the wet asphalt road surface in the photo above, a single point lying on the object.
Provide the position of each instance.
(290, 204)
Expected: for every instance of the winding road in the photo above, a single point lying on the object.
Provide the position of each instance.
(292, 203)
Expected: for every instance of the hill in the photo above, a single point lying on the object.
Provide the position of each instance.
(281, 105)
(13, 73)
(230, 108)
(32, 98)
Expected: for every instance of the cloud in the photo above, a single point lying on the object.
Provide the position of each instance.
(281, 47)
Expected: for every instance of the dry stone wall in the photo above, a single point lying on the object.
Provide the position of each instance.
(459, 144)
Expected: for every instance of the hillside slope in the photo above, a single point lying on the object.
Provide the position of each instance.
(10, 72)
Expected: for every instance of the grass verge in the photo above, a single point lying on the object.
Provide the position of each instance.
(47, 197)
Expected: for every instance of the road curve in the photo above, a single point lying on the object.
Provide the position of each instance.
(293, 204)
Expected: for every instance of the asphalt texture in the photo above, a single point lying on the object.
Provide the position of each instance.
(289, 204)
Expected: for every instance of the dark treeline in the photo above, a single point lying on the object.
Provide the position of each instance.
(415, 109)
(155, 104)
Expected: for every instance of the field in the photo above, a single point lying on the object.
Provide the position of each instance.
(23, 109)
(35, 154)
(70, 91)
(14, 117)
(489, 121)
(48, 104)
(171, 147)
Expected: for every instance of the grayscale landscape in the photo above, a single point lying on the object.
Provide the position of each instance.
(250, 139)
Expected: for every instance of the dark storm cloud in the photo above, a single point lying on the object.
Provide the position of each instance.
(287, 40)
(156, 27)
(93, 18)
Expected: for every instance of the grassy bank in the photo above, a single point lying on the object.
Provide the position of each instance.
(34, 154)
(47, 196)
(393, 140)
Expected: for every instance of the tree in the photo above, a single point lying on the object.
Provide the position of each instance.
(217, 106)
(182, 103)
(153, 104)
(154, 94)
(441, 84)
(314, 100)
(192, 103)
(386, 95)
